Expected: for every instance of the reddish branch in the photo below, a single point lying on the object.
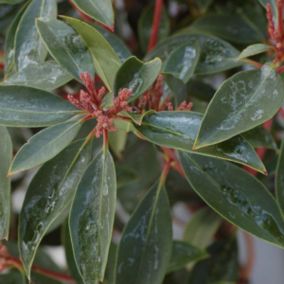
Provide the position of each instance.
(156, 24)
(7, 261)
(276, 30)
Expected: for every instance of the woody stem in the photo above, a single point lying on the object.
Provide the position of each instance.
(156, 24)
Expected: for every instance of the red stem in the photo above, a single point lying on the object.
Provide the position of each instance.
(156, 24)
(10, 261)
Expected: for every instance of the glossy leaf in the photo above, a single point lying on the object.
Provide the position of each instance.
(99, 10)
(184, 253)
(137, 75)
(242, 102)
(236, 195)
(145, 26)
(29, 49)
(178, 130)
(216, 54)
(66, 47)
(45, 145)
(69, 254)
(49, 194)
(182, 62)
(260, 137)
(279, 182)
(5, 186)
(92, 217)
(44, 76)
(9, 47)
(28, 107)
(105, 59)
(253, 50)
(230, 26)
(146, 244)
(202, 227)
(222, 267)
(117, 44)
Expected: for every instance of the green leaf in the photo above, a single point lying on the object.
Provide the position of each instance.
(182, 62)
(221, 268)
(279, 180)
(13, 276)
(203, 4)
(116, 43)
(92, 217)
(45, 145)
(99, 10)
(145, 26)
(137, 75)
(216, 54)
(49, 194)
(146, 244)
(178, 130)
(117, 142)
(9, 47)
(10, 2)
(253, 50)
(184, 253)
(28, 107)
(69, 254)
(242, 102)
(236, 195)
(230, 26)
(260, 137)
(202, 227)
(43, 76)
(66, 47)
(29, 49)
(105, 59)
(5, 185)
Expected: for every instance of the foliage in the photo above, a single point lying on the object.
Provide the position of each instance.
(122, 112)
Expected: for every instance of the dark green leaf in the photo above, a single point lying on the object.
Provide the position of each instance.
(13, 276)
(49, 194)
(178, 130)
(137, 75)
(70, 255)
(182, 62)
(279, 182)
(105, 59)
(216, 54)
(92, 217)
(99, 10)
(145, 26)
(202, 227)
(28, 107)
(260, 137)
(236, 195)
(9, 48)
(117, 44)
(29, 49)
(146, 244)
(232, 27)
(184, 253)
(242, 102)
(44, 76)
(66, 47)
(221, 268)
(45, 145)
(5, 186)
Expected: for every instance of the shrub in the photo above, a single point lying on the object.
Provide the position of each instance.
(132, 111)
